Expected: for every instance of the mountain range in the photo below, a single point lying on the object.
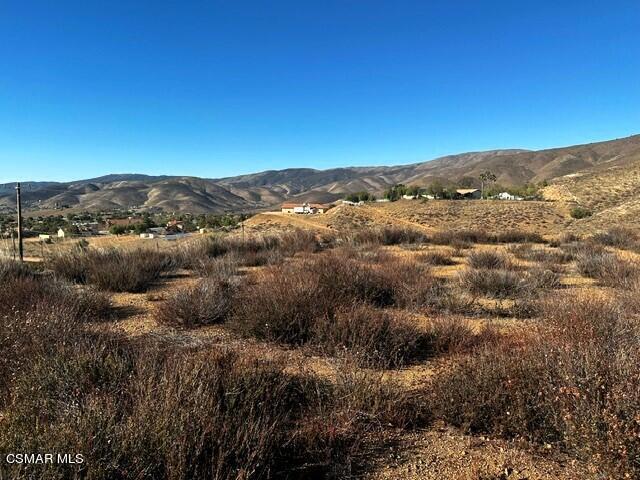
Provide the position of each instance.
(562, 166)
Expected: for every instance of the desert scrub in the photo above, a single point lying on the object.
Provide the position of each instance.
(114, 269)
(390, 235)
(436, 258)
(48, 294)
(494, 283)
(572, 384)
(206, 303)
(619, 237)
(489, 259)
(372, 337)
(608, 269)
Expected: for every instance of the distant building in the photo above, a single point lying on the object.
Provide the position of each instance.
(468, 193)
(44, 237)
(409, 197)
(175, 226)
(61, 233)
(507, 196)
(303, 208)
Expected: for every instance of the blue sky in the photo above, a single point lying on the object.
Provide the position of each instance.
(221, 88)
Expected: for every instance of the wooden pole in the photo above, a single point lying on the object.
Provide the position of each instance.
(19, 204)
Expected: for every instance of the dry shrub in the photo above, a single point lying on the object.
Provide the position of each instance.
(389, 235)
(494, 283)
(456, 238)
(575, 384)
(206, 303)
(451, 334)
(542, 279)
(223, 268)
(113, 270)
(313, 303)
(136, 411)
(516, 236)
(480, 236)
(436, 258)
(372, 337)
(619, 237)
(608, 269)
(576, 249)
(11, 269)
(489, 259)
(140, 410)
(525, 251)
(48, 294)
(38, 316)
(365, 253)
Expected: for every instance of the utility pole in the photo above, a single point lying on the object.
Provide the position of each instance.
(19, 204)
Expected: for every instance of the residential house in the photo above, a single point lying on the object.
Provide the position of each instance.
(303, 208)
(507, 196)
(468, 193)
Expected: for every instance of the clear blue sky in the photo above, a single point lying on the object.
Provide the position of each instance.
(221, 88)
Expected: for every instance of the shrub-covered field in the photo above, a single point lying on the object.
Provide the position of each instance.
(296, 356)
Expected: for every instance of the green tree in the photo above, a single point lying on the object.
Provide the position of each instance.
(436, 189)
(394, 193)
(117, 230)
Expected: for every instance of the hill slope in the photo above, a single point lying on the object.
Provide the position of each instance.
(605, 163)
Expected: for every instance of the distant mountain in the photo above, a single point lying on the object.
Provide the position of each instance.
(261, 190)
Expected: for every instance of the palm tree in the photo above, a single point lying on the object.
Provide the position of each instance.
(486, 177)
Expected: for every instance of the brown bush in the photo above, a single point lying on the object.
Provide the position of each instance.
(495, 283)
(47, 294)
(206, 303)
(525, 251)
(224, 268)
(608, 269)
(11, 269)
(489, 259)
(451, 334)
(114, 269)
(373, 337)
(459, 237)
(389, 235)
(619, 237)
(542, 279)
(138, 411)
(516, 236)
(480, 236)
(574, 385)
(436, 259)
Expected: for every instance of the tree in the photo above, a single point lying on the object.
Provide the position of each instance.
(360, 197)
(396, 192)
(436, 189)
(118, 230)
(486, 177)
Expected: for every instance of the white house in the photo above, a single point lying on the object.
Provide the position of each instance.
(507, 196)
(61, 233)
